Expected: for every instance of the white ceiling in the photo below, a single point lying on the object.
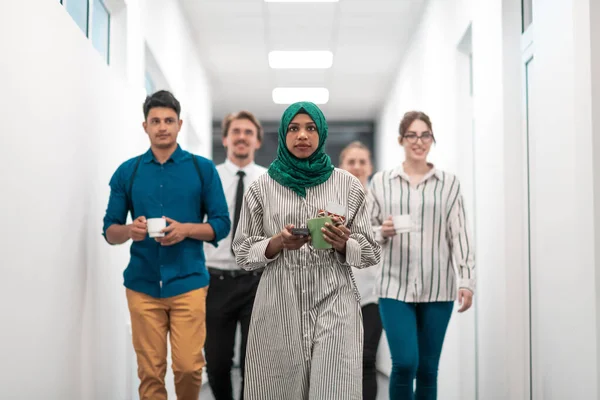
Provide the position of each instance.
(367, 38)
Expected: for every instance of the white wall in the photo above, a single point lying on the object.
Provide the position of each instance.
(595, 86)
(502, 298)
(564, 308)
(170, 40)
(68, 121)
(427, 82)
(564, 283)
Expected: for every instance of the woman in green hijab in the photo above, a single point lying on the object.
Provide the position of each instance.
(305, 339)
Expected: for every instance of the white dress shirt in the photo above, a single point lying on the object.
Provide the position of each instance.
(221, 257)
(366, 278)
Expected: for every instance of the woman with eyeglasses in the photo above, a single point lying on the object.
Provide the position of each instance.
(425, 237)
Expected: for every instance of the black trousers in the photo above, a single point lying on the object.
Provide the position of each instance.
(229, 302)
(372, 334)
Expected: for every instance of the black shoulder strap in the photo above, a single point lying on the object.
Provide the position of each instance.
(130, 191)
(201, 183)
(198, 169)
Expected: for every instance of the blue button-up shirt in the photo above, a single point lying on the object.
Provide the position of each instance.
(175, 190)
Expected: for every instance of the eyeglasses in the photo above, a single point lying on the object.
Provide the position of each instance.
(412, 138)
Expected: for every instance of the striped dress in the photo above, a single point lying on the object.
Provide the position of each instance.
(422, 265)
(305, 339)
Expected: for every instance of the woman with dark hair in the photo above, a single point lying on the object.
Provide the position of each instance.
(420, 212)
(305, 336)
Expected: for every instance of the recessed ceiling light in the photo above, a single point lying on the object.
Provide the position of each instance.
(292, 95)
(301, 1)
(300, 59)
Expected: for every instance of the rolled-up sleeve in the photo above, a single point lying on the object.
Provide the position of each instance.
(374, 209)
(462, 243)
(250, 242)
(214, 203)
(116, 211)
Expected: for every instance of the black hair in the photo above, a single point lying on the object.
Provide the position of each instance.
(162, 98)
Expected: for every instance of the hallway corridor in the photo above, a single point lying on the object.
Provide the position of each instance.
(513, 91)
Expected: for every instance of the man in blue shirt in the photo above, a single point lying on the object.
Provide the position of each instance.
(166, 280)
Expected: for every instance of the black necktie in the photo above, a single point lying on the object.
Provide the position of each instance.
(239, 197)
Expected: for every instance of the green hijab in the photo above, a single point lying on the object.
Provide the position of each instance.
(295, 173)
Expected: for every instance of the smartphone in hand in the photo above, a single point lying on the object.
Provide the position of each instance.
(300, 232)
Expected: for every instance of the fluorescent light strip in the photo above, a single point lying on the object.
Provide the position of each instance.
(293, 95)
(301, 1)
(300, 59)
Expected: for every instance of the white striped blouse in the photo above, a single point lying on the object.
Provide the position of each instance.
(305, 339)
(419, 266)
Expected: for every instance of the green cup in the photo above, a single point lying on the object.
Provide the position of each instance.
(314, 226)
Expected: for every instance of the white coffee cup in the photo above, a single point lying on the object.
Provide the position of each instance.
(155, 226)
(402, 223)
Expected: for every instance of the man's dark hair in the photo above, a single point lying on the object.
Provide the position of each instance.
(162, 98)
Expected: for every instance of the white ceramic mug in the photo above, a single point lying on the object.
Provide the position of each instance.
(402, 223)
(155, 226)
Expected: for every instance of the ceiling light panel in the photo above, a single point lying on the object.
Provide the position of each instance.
(301, 1)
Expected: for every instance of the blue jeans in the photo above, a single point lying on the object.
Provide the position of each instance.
(415, 334)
